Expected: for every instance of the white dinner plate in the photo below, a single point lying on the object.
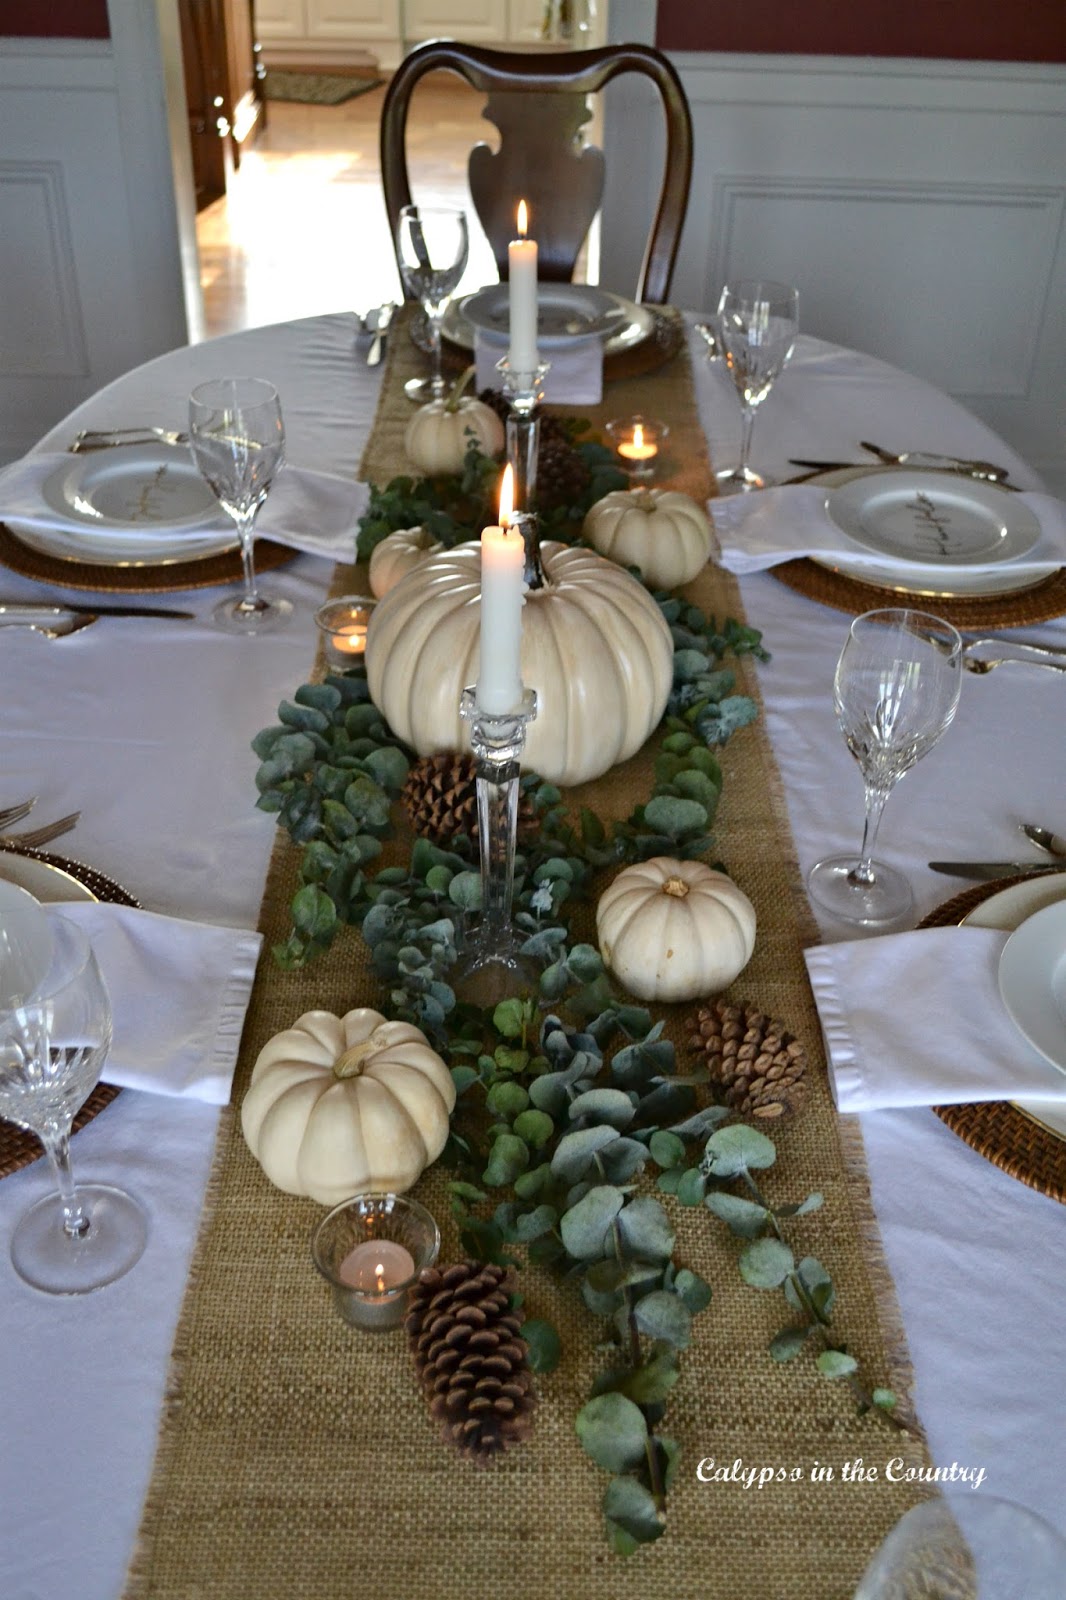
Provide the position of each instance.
(1008, 910)
(925, 578)
(47, 883)
(934, 519)
(565, 312)
(129, 505)
(1032, 981)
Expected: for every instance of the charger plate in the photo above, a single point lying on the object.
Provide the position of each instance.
(207, 572)
(55, 880)
(1004, 1134)
(1023, 607)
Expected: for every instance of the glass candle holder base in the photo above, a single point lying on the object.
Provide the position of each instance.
(370, 1250)
(488, 972)
(638, 442)
(343, 624)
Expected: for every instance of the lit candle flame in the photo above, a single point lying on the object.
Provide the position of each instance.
(638, 435)
(379, 1273)
(522, 219)
(507, 497)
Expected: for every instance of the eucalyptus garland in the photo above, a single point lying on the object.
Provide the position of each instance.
(566, 1094)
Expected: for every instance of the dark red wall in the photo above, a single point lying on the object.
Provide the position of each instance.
(954, 30)
(54, 19)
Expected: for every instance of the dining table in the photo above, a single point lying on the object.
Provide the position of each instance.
(144, 726)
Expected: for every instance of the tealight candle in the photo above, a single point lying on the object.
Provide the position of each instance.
(637, 441)
(522, 296)
(344, 624)
(370, 1249)
(503, 561)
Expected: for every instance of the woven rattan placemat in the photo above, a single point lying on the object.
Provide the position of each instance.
(205, 574)
(18, 1147)
(1043, 601)
(296, 1457)
(997, 1130)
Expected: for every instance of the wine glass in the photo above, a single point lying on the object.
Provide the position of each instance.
(967, 1547)
(755, 330)
(432, 245)
(895, 690)
(237, 438)
(53, 1043)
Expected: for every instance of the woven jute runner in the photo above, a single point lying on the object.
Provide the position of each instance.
(296, 1457)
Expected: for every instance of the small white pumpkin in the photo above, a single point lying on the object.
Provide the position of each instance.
(595, 647)
(674, 930)
(661, 531)
(345, 1105)
(437, 435)
(397, 555)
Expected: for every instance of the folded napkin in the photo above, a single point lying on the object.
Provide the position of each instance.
(916, 1019)
(179, 991)
(760, 529)
(312, 511)
(575, 372)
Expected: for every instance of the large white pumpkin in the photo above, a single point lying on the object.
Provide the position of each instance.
(347, 1105)
(595, 647)
(674, 930)
(662, 532)
(397, 554)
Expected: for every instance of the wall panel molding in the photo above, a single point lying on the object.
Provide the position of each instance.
(41, 333)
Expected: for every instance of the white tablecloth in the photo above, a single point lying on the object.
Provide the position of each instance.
(145, 727)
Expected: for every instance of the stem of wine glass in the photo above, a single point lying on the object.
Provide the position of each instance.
(863, 872)
(434, 320)
(56, 1141)
(245, 521)
(748, 423)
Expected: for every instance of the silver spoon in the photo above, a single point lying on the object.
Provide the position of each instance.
(1053, 844)
(976, 664)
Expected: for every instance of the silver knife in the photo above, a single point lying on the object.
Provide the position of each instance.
(14, 611)
(384, 317)
(986, 870)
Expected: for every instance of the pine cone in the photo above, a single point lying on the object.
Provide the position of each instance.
(756, 1065)
(470, 1359)
(440, 798)
(563, 475)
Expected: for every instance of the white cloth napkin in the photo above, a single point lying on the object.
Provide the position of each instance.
(760, 529)
(575, 372)
(179, 991)
(916, 1019)
(312, 511)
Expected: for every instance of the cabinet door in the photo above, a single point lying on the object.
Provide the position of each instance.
(367, 20)
(524, 20)
(473, 21)
(280, 19)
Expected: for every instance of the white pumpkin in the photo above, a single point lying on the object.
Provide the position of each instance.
(347, 1105)
(674, 930)
(397, 554)
(437, 435)
(595, 647)
(665, 534)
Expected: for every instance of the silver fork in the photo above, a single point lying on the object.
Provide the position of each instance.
(11, 814)
(987, 664)
(35, 837)
(106, 438)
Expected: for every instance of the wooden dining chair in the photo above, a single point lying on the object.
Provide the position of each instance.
(539, 103)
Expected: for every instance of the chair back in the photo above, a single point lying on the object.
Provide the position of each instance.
(539, 104)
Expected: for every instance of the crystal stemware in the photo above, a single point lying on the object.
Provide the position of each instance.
(432, 245)
(967, 1547)
(237, 438)
(755, 330)
(895, 691)
(53, 1043)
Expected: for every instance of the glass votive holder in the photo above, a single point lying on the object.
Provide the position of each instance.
(638, 442)
(370, 1250)
(343, 624)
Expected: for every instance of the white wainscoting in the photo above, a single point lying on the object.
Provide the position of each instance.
(917, 205)
(90, 255)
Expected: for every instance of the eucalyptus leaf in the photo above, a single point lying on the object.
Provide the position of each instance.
(606, 1105)
(645, 1229)
(585, 1228)
(575, 1152)
(666, 1149)
(818, 1284)
(535, 1127)
(613, 1432)
(313, 913)
(693, 1290)
(632, 1507)
(737, 1149)
(531, 1224)
(651, 1383)
(674, 817)
(766, 1263)
(509, 1156)
(836, 1364)
(544, 1345)
(787, 1344)
(743, 1217)
(664, 1315)
(464, 890)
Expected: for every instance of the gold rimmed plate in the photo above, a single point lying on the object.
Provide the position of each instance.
(196, 572)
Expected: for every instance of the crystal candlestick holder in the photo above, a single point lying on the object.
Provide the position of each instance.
(524, 391)
(492, 966)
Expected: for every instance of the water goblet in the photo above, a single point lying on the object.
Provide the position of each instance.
(967, 1547)
(755, 330)
(237, 438)
(433, 245)
(53, 1043)
(895, 691)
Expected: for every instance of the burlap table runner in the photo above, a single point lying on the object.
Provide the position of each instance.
(296, 1458)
